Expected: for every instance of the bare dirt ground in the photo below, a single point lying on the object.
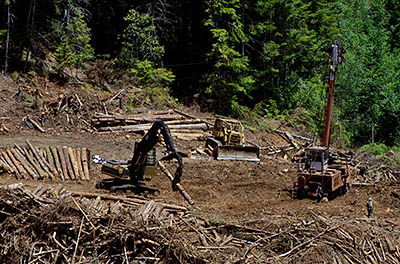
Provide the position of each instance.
(228, 191)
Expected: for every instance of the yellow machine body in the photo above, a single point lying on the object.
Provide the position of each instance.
(228, 142)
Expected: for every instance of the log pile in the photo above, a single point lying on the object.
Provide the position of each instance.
(54, 162)
(291, 149)
(375, 169)
(57, 226)
(376, 173)
(181, 124)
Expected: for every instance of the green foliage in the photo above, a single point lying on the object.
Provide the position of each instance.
(214, 221)
(265, 126)
(146, 74)
(268, 108)
(393, 8)
(231, 78)
(292, 38)
(74, 37)
(141, 52)
(340, 135)
(3, 36)
(154, 85)
(270, 56)
(369, 92)
(375, 149)
(139, 40)
(307, 119)
(378, 149)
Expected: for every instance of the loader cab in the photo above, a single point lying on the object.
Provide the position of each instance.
(317, 158)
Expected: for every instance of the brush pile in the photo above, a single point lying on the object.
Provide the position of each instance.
(53, 225)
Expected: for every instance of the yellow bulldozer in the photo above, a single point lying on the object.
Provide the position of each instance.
(228, 142)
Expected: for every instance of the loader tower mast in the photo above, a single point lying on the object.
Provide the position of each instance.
(337, 51)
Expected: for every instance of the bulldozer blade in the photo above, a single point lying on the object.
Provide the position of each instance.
(230, 152)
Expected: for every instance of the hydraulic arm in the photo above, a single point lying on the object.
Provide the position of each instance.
(130, 175)
(146, 144)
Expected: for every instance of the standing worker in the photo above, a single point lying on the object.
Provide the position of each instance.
(320, 194)
(369, 208)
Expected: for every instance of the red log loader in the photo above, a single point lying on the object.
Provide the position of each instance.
(334, 180)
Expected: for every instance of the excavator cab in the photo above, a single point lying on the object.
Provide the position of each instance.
(120, 169)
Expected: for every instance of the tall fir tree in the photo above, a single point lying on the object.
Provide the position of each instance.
(230, 79)
(74, 38)
(290, 40)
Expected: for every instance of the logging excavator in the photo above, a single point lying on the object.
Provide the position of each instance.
(130, 175)
(333, 180)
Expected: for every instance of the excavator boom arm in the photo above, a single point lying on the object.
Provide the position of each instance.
(148, 142)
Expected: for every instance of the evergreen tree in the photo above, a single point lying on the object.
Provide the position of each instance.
(290, 40)
(140, 40)
(230, 80)
(369, 93)
(142, 53)
(393, 8)
(74, 39)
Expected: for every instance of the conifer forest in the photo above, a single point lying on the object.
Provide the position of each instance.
(239, 58)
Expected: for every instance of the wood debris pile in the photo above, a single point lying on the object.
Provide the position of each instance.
(330, 240)
(50, 225)
(373, 170)
(180, 124)
(65, 111)
(295, 144)
(30, 162)
(378, 173)
(68, 106)
(314, 239)
(54, 225)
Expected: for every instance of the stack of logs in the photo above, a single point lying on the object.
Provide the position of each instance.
(181, 124)
(30, 162)
(373, 174)
(295, 143)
